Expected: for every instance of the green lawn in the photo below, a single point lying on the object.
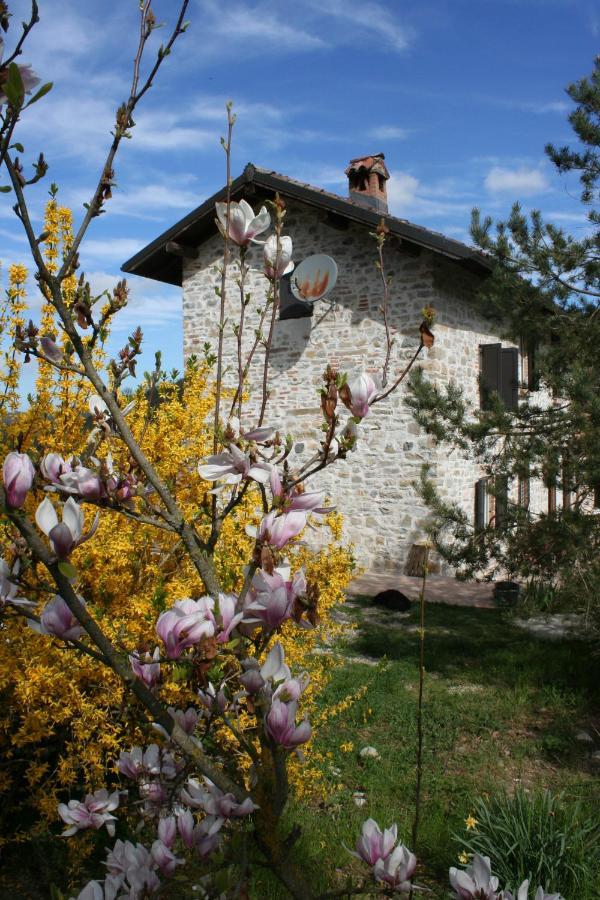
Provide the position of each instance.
(501, 708)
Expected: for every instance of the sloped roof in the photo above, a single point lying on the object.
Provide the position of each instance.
(155, 261)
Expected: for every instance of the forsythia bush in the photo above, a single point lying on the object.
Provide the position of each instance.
(64, 719)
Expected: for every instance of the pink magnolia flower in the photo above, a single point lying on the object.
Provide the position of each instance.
(131, 868)
(84, 482)
(397, 869)
(231, 466)
(92, 891)
(280, 725)
(213, 801)
(186, 624)
(279, 530)
(148, 668)
(274, 667)
(8, 589)
(292, 688)
(229, 617)
(204, 837)
(17, 474)
(57, 619)
(476, 882)
(277, 264)
(28, 77)
(94, 812)
(309, 501)
(138, 762)
(53, 466)
(154, 793)
(358, 394)
(272, 597)
(209, 697)
(260, 435)
(164, 858)
(167, 830)
(187, 720)
(67, 535)
(373, 845)
(51, 349)
(244, 225)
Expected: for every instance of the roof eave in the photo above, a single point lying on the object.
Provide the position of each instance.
(153, 261)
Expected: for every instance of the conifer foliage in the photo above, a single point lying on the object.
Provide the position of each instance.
(543, 294)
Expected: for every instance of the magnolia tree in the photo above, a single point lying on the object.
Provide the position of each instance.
(185, 801)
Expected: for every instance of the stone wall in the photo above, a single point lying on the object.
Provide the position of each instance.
(373, 488)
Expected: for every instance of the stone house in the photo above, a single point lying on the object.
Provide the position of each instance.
(373, 487)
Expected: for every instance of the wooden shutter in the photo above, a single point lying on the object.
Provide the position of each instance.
(524, 491)
(533, 378)
(499, 373)
(501, 497)
(490, 365)
(509, 377)
(481, 503)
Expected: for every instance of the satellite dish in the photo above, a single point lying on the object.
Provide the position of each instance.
(314, 277)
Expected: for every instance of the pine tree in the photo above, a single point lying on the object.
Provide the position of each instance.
(544, 291)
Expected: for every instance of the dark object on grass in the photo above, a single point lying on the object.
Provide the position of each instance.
(506, 593)
(393, 599)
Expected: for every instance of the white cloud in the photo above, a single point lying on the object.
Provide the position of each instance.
(247, 30)
(523, 180)
(408, 198)
(389, 133)
(117, 249)
(402, 192)
(148, 201)
(366, 19)
(151, 304)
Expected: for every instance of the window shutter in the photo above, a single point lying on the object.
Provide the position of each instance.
(490, 372)
(501, 505)
(509, 377)
(499, 373)
(481, 503)
(533, 377)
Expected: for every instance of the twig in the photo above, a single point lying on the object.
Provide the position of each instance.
(119, 133)
(416, 820)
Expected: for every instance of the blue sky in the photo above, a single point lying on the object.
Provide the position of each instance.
(461, 96)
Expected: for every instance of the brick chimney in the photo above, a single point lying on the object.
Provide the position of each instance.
(367, 176)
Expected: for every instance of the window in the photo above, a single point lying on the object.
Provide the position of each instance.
(533, 376)
(482, 508)
(500, 501)
(499, 373)
(524, 491)
(491, 504)
(567, 488)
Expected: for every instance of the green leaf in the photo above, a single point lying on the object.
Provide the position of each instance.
(13, 87)
(66, 569)
(18, 147)
(45, 89)
(5, 189)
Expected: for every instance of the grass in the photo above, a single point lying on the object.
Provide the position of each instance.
(501, 710)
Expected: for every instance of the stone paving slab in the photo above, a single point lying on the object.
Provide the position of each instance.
(439, 589)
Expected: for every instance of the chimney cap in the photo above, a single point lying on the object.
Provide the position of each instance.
(372, 163)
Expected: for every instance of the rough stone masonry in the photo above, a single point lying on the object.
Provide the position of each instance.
(372, 488)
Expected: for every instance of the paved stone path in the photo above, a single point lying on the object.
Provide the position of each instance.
(439, 588)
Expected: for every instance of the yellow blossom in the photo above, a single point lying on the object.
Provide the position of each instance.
(471, 822)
